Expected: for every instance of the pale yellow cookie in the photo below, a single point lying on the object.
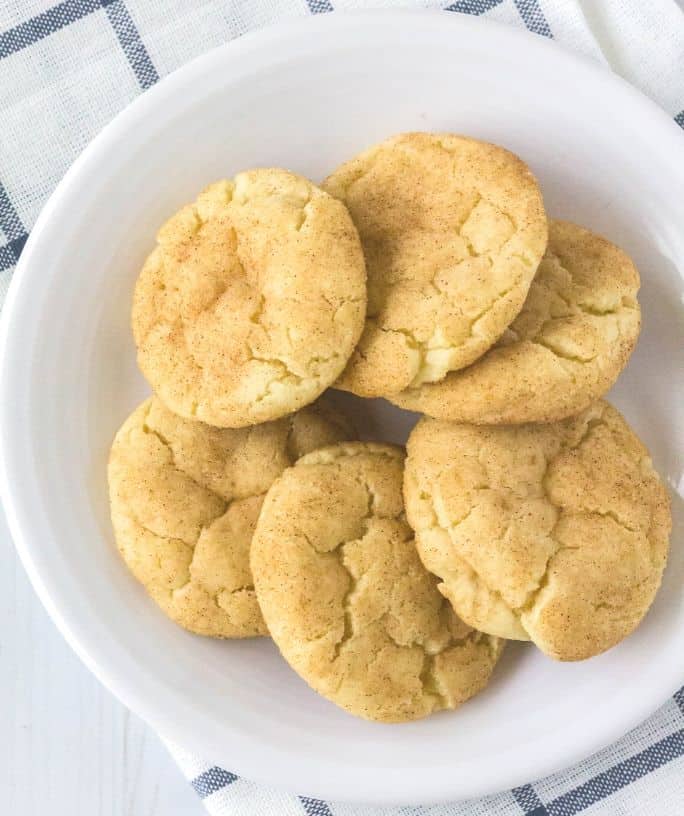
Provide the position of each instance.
(252, 301)
(185, 498)
(565, 349)
(345, 597)
(453, 230)
(553, 533)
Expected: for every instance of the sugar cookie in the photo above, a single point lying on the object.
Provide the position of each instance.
(252, 301)
(565, 349)
(553, 533)
(453, 230)
(346, 598)
(185, 498)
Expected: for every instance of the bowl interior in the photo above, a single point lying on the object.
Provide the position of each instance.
(306, 99)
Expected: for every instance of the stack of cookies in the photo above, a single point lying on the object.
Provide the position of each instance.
(424, 271)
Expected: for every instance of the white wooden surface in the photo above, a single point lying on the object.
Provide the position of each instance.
(67, 746)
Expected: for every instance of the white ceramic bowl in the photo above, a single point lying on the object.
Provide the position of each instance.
(307, 96)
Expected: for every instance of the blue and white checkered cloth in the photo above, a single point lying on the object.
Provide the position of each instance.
(67, 68)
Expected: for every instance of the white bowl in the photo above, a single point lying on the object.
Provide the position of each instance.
(306, 96)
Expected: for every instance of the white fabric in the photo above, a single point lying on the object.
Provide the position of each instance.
(66, 68)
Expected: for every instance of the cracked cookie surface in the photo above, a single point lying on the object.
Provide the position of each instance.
(566, 348)
(346, 598)
(553, 533)
(453, 230)
(252, 301)
(185, 498)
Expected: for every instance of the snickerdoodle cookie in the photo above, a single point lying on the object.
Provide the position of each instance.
(565, 349)
(346, 598)
(185, 498)
(252, 301)
(453, 230)
(553, 533)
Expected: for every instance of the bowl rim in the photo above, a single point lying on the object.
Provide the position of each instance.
(255, 758)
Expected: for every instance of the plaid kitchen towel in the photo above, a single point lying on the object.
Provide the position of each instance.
(67, 67)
